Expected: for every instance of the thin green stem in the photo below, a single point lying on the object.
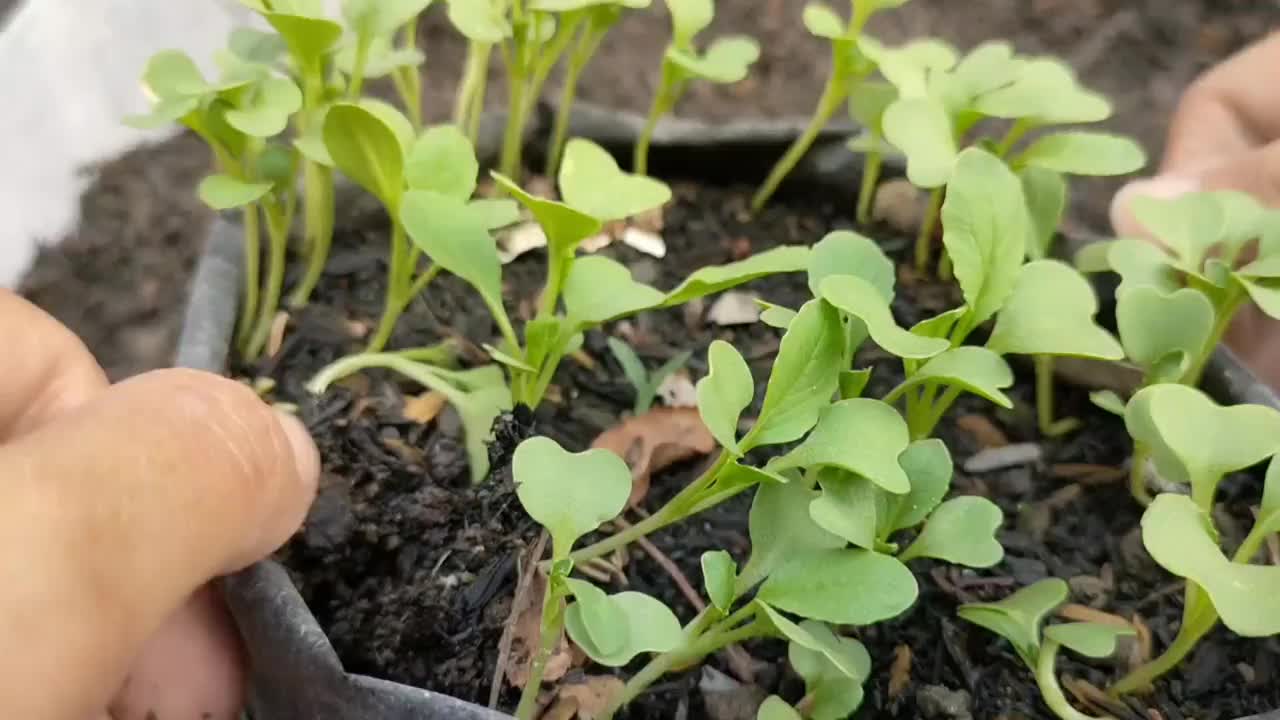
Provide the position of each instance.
(663, 102)
(1015, 133)
(867, 192)
(397, 294)
(933, 413)
(588, 42)
(1138, 474)
(1046, 418)
(1225, 311)
(278, 221)
(1051, 691)
(318, 217)
(252, 260)
(1198, 618)
(550, 628)
(832, 99)
(924, 239)
(413, 77)
(358, 69)
(513, 136)
(470, 99)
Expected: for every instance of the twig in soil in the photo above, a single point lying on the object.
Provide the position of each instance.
(1091, 697)
(1159, 594)
(1145, 647)
(1083, 613)
(739, 661)
(517, 606)
(1089, 474)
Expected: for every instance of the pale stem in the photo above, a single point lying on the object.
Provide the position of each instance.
(867, 193)
(549, 629)
(924, 240)
(1198, 618)
(252, 260)
(1051, 691)
(833, 95)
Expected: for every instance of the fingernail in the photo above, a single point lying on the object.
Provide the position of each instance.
(1161, 187)
(305, 454)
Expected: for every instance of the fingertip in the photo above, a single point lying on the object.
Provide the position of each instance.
(306, 456)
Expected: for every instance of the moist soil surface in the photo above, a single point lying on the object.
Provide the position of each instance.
(412, 571)
(142, 227)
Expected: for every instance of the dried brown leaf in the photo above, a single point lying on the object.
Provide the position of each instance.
(564, 708)
(276, 338)
(424, 408)
(526, 638)
(652, 441)
(900, 671)
(983, 430)
(590, 695)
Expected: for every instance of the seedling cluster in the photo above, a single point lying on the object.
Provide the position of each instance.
(848, 490)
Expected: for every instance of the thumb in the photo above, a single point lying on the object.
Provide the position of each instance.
(1255, 171)
(111, 516)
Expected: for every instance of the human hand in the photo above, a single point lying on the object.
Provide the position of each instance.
(1225, 135)
(117, 505)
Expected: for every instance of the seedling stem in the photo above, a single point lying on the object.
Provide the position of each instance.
(924, 240)
(866, 193)
(832, 100)
(1050, 690)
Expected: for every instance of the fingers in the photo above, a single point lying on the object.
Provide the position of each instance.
(120, 511)
(46, 369)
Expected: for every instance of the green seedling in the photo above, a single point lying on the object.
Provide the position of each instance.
(1019, 619)
(725, 61)
(1196, 442)
(849, 67)
(237, 115)
(646, 385)
(1217, 251)
(938, 100)
(484, 24)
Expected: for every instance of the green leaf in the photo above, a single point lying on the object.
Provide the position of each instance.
(719, 572)
(881, 436)
(804, 377)
(961, 531)
(909, 67)
(1188, 225)
(1180, 537)
(308, 38)
(921, 129)
(726, 61)
(1046, 194)
(456, 237)
(569, 5)
(1153, 324)
(821, 21)
(602, 619)
(443, 160)
(480, 22)
(853, 382)
(366, 149)
(598, 289)
(713, 279)
(816, 667)
(1045, 92)
(848, 587)
(632, 368)
(776, 316)
(1109, 401)
(223, 192)
(255, 46)
(928, 466)
(974, 369)
(381, 58)
(310, 144)
(724, 393)
(1204, 439)
(1090, 639)
(570, 494)
(688, 18)
(164, 113)
(1141, 263)
(1084, 153)
(268, 108)
(775, 708)
(844, 660)
(858, 298)
(171, 74)
(867, 102)
(564, 226)
(1265, 294)
(497, 213)
(939, 326)
(846, 507)
(592, 183)
(1271, 489)
(1018, 617)
(781, 527)
(987, 67)
(985, 229)
(1051, 312)
(649, 626)
(844, 252)
(383, 17)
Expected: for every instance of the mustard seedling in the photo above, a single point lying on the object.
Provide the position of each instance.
(849, 66)
(1019, 619)
(726, 61)
(1217, 251)
(484, 24)
(237, 116)
(646, 384)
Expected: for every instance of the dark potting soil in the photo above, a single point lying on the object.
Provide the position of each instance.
(411, 571)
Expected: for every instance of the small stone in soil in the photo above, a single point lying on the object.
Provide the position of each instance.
(999, 458)
(935, 701)
(1026, 570)
(726, 698)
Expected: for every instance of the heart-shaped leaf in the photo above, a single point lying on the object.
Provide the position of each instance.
(921, 129)
(881, 435)
(649, 626)
(909, 67)
(844, 252)
(1051, 312)
(456, 237)
(719, 572)
(1181, 539)
(1018, 617)
(726, 61)
(688, 18)
(223, 192)
(1046, 194)
(985, 229)
(848, 587)
(928, 466)
(815, 666)
(1045, 92)
(846, 507)
(592, 183)
(987, 67)
(384, 17)
(267, 109)
(171, 74)
(961, 531)
(564, 226)
(1154, 324)
(820, 20)
(724, 393)
(308, 38)
(600, 288)
(1084, 153)
(781, 527)
(715, 278)
(804, 377)
(868, 101)
(367, 150)
(442, 160)
(974, 369)
(858, 298)
(1090, 639)
(844, 660)
(602, 619)
(570, 494)
(1188, 225)
(775, 708)
(480, 22)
